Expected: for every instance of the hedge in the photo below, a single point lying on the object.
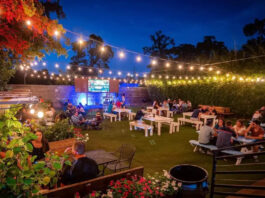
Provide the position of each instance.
(242, 97)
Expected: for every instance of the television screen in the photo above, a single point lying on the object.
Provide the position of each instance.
(98, 85)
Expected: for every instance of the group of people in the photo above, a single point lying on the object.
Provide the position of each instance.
(177, 106)
(77, 116)
(119, 104)
(222, 133)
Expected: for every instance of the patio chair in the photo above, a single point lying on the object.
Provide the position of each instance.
(125, 156)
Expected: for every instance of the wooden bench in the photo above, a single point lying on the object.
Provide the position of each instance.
(132, 115)
(86, 187)
(142, 125)
(169, 114)
(61, 145)
(111, 116)
(224, 111)
(213, 147)
(197, 123)
(174, 126)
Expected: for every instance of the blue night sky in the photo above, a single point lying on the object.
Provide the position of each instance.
(128, 24)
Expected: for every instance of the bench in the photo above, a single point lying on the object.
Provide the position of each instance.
(198, 123)
(142, 125)
(61, 145)
(132, 115)
(213, 147)
(88, 186)
(224, 111)
(174, 126)
(111, 116)
(169, 114)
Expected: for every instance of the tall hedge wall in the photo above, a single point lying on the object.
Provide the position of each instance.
(242, 97)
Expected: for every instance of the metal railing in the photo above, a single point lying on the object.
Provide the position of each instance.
(233, 184)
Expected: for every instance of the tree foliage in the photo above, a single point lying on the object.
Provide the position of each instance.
(90, 54)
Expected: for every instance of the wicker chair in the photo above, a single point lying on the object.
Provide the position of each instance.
(125, 156)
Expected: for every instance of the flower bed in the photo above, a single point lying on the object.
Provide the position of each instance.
(151, 186)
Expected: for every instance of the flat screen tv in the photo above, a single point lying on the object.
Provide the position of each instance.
(98, 85)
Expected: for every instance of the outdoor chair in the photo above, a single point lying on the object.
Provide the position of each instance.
(125, 156)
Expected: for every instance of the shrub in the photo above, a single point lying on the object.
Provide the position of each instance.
(244, 98)
(59, 131)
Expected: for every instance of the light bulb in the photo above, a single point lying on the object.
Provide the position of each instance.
(138, 58)
(32, 111)
(40, 114)
(121, 55)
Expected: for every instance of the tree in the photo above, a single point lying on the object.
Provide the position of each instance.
(26, 32)
(256, 28)
(162, 46)
(91, 53)
(185, 52)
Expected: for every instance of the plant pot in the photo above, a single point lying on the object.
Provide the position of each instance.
(193, 179)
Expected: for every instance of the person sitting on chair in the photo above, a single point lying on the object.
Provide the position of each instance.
(83, 168)
(224, 137)
(139, 115)
(207, 135)
(95, 122)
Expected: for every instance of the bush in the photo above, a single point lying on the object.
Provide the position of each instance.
(244, 98)
(59, 131)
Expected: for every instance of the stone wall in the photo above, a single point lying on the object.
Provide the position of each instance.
(58, 94)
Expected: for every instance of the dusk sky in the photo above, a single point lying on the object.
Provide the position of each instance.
(128, 24)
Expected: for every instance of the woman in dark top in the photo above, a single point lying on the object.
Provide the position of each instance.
(40, 146)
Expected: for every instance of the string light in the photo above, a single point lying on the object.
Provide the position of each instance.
(218, 72)
(210, 69)
(153, 62)
(121, 54)
(100, 71)
(56, 33)
(110, 72)
(119, 73)
(180, 66)
(145, 75)
(90, 70)
(68, 67)
(138, 59)
(40, 114)
(201, 68)
(56, 65)
(152, 76)
(102, 49)
(28, 22)
(167, 64)
(35, 63)
(191, 68)
(79, 68)
(136, 74)
(80, 41)
(44, 64)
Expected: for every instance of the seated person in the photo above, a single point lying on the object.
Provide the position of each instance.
(239, 128)
(139, 115)
(40, 146)
(95, 121)
(118, 104)
(207, 134)
(78, 119)
(195, 114)
(83, 168)
(220, 124)
(256, 116)
(81, 110)
(224, 137)
(189, 105)
(184, 106)
(254, 131)
(111, 108)
(170, 104)
(50, 113)
(212, 111)
(204, 109)
(156, 105)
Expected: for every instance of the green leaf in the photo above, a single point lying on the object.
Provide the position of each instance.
(57, 165)
(67, 162)
(10, 181)
(16, 150)
(27, 181)
(29, 147)
(9, 154)
(46, 180)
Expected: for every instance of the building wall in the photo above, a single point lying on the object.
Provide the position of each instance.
(58, 94)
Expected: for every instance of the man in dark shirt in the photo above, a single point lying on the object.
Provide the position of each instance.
(224, 135)
(83, 168)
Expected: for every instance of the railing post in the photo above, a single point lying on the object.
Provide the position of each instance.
(213, 175)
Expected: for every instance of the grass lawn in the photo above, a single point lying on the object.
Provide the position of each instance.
(156, 153)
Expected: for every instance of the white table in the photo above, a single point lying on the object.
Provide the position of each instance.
(160, 109)
(159, 120)
(120, 110)
(205, 117)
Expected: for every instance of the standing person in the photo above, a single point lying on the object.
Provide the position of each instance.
(123, 100)
(40, 146)
(83, 168)
(225, 134)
